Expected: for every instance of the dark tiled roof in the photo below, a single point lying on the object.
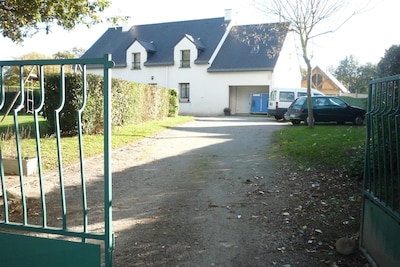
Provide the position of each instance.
(159, 40)
(250, 48)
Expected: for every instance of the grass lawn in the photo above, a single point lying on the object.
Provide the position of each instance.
(92, 144)
(340, 146)
(333, 146)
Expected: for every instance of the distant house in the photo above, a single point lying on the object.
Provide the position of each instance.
(213, 63)
(325, 82)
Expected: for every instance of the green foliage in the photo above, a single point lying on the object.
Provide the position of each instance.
(366, 72)
(357, 102)
(390, 63)
(340, 147)
(346, 72)
(26, 128)
(75, 52)
(131, 103)
(54, 101)
(9, 97)
(355, 76)
(12, 74)
(93, 144)
(173, 103)
(20, 19)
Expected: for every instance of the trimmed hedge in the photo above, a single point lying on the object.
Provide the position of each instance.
(358, 102)
(131, 103)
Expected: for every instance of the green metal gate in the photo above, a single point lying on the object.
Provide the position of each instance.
(39, 237)
(380, 229)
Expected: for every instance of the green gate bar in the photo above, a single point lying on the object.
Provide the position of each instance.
(380, 226)
(20, 234)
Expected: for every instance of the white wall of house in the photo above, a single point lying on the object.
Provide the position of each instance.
(287, 69)
(211, 92)
(237, 88)
(240, 97)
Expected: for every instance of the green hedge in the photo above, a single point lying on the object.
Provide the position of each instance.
(9, 97)
(358, 102)
(131, 103)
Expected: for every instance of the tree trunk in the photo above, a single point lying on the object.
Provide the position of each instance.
(309, 100)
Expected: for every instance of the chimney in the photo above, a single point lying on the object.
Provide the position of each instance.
(125, 27)
(125, 24)
(228, 14)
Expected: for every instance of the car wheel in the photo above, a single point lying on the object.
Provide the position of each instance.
(278, 118)
(286, 117)
(358, 120)
(295, 122)
(307, 121)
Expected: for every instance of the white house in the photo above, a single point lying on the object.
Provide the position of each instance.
(211, 62)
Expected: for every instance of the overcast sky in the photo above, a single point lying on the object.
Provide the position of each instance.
(366, 36)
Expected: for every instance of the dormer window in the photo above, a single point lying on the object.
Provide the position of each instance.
(135, 61)
(185, 58)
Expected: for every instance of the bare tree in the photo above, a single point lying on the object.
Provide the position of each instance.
(305, 17)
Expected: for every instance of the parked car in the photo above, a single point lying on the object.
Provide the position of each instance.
(325, 109)
(281, 98)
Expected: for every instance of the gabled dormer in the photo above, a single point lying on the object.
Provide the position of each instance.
(200, 46)
(187, 51)
(158, 42)
(138, 54)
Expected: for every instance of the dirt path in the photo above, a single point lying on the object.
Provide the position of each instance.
(189, 196)
(209, 193)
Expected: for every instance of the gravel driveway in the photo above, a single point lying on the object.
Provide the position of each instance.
(209, 193)
(189, 196)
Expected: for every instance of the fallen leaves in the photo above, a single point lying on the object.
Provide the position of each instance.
(319, 207)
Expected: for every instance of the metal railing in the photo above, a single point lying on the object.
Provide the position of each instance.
(25, 227)
(381, 190)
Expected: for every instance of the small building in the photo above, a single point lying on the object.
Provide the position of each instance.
(213, 63)
(325, 82)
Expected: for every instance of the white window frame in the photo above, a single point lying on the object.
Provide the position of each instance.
(185, 58)
(136, 64)
(184, 92)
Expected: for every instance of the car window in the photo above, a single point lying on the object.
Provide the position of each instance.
(300, 101)
(286, 96)
(273, 95)
(337, 102)
(300, 94)
(320, 102)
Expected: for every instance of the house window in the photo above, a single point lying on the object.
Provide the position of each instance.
(184, 90)
(136, 61)
(317, 81)
(185, 58)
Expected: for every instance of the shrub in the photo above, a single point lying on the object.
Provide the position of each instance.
(173, 103)
(131, 103)
(358, 102)
(67, 105)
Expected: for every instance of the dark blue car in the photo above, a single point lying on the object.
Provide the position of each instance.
(325, 109)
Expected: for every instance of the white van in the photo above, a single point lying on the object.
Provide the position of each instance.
(281, 98)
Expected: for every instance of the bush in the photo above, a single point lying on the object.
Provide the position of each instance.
(131, 103)
(66, 106)
(173, 103)
(358, 102)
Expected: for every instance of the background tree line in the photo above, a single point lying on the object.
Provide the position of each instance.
(355, 76)
(11, 74)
